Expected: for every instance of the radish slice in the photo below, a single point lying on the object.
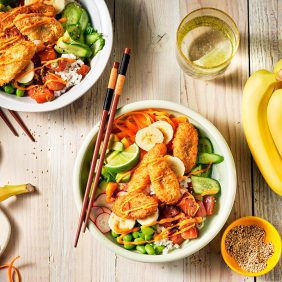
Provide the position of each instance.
(102, 222)
(101, 201)
(95, 211)
(105, 209)
(121, 193)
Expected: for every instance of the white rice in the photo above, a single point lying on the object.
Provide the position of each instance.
(70, 74)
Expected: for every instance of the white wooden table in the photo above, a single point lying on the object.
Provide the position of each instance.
(44, 223)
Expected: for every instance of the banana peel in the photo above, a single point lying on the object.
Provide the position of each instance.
(257, 93)
(12, 190)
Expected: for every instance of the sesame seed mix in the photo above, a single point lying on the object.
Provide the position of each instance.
(246, 244)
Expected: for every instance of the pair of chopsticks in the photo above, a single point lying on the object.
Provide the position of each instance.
(18, 119)
(114, 90)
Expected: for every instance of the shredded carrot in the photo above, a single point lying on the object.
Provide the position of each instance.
(110, 189)
(62, 20)
(11, 270)
(200, 170)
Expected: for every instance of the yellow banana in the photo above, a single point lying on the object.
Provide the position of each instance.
(274, 118)
(12, 190)
(256, 95)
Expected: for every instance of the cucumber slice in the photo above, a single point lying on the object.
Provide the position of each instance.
(98, 45)
(206, 158)
(205, 145)
(91, 38)
(207, 173)
(202, 184)
(75, 48)
(72, 13)
(196, 168)
(84, 20)
(74, 31)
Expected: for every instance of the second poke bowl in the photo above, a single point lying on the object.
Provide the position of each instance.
(167, 186)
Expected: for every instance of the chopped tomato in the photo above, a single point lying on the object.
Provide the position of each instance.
(188, 206)
(202, 210)
(84, 70)
(47, 55)
(53, 84)
(41, 94)
(191, 233)
(177, 239)
(61, 65)
(209, 202)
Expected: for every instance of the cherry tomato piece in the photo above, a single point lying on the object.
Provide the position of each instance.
(41, 94)
(209, 202)
(188, 206)
(62, 65)
(84, 70)
(202, 210)
(47, 55)
(191, 233)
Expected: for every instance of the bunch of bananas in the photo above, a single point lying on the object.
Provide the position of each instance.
(12, 190)
(262, 122)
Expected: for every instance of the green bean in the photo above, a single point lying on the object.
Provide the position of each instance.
(9, 89)
(135, 235)
(159, 249)
(149, 249)
(148, 237)
(127, 238)
(141, 249)
(20, 93)
(147, 230)
(129, 246)
(114, 234)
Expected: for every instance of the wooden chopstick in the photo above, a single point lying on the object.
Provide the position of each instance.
(8, 123)
(22, 125)
(117, 93)
(103, 120)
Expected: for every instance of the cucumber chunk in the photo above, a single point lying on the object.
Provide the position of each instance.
(207, 173)
(205, 145)
(91, 38)
(75, 48)
(207, 158)
(202, 184)
(84, 20)
(98, 45)
(72, 13)
(74, 31)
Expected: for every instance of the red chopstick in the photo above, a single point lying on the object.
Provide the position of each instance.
(117, 93)
(106, 108)
(8, 123)
(22, 125)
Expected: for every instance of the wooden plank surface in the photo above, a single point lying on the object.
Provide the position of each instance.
(44, 223)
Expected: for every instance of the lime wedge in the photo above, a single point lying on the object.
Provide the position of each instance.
(221, 53)
(125, 160)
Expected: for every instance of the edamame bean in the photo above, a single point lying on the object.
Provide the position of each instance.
(139, 240)
(9, 89)
(20, 93)
(135, 235)
(159, 249)
(141, 235)
(141, 249)
(148, 237)
(114, 234)
(147, 230)
(129, 246)
(149, 249)
(127, 238)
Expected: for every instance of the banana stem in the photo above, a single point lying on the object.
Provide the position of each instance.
(12, 190)
(279, 75)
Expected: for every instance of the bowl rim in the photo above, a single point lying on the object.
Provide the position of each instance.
(169, 106)
(242, 221)
(86, 83)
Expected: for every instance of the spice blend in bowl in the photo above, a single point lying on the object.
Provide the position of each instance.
(246, 244)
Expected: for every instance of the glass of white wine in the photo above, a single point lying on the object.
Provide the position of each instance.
(207, 40)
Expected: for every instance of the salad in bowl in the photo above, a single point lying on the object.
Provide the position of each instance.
(161, 185)
(47, 48)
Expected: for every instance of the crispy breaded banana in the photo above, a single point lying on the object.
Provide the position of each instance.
(185, 145)
(14, 60)
(135, 206)
(140, 178)
(164, 181)
(9, 38)
(46, 10)
(38, 27)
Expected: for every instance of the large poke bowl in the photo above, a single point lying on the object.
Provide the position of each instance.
(224, 173)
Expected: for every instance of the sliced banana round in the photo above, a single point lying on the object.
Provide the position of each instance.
(28, 73)
(150, 219)
(165, 128)
(121, 223)
(146, 138)
(59, 5)
(176, 165)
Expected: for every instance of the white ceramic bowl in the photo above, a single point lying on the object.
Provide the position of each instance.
(224, 172)
(101, 20)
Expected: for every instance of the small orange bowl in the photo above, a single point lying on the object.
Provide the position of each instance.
(272, 235)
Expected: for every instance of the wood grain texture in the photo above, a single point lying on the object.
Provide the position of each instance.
(265, 50)
(44, 223)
